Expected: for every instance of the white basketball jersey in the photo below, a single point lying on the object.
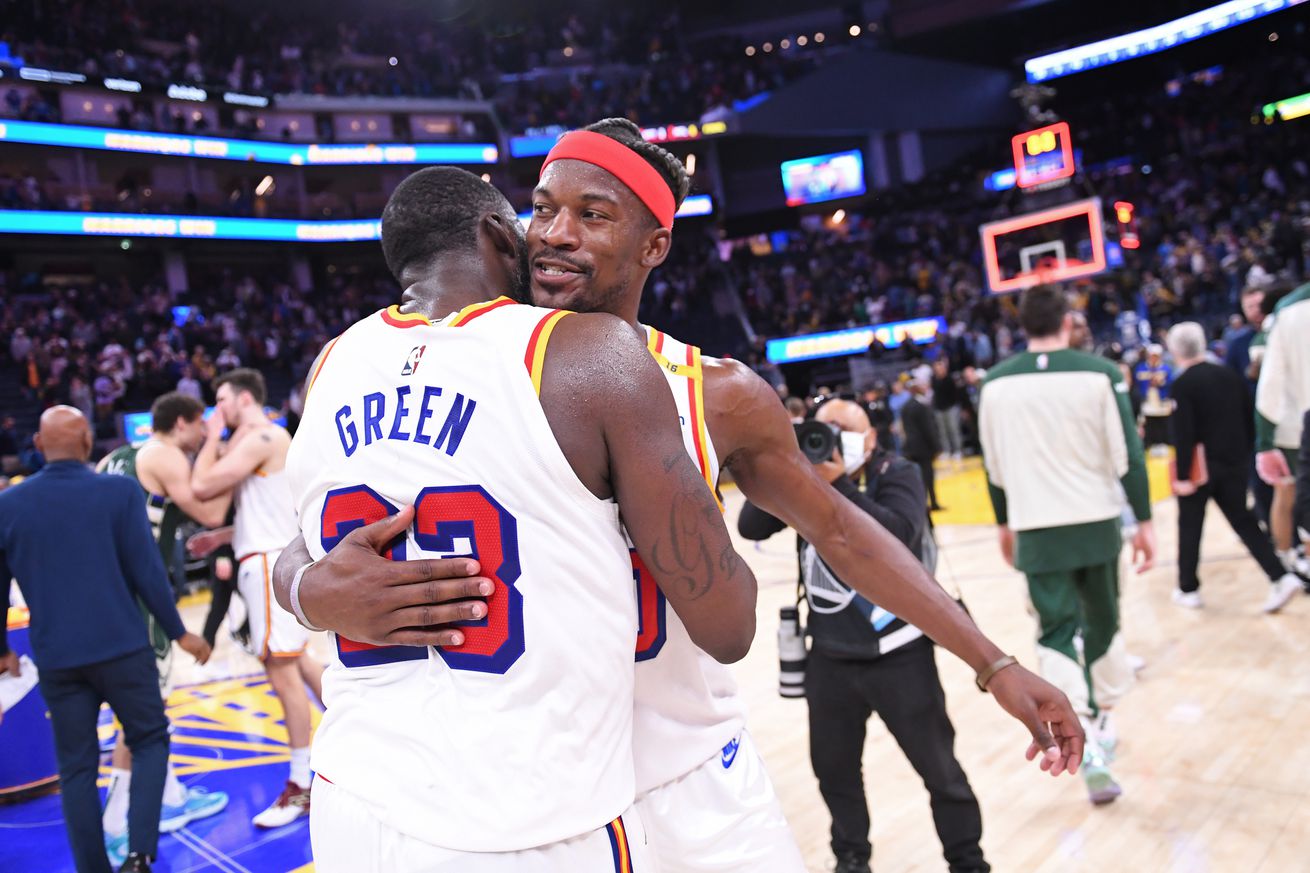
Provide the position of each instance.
(687, 706)
(520, 737)
(265, 519)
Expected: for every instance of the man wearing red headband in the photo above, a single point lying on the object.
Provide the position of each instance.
(601, 221)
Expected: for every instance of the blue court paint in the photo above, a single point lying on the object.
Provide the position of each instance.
(227, 736)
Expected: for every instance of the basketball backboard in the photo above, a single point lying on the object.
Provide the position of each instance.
(1050, 245)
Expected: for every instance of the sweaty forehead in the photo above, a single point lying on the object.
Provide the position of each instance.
(573, 180)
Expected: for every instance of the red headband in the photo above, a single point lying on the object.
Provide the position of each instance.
(626, 165)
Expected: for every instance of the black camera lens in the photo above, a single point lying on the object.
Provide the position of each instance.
(817, 440)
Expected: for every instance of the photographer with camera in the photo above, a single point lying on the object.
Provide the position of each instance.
(864, 659)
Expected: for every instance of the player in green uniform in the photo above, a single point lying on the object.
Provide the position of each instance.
(1281, 400)
(163, 468)
(1059, 440)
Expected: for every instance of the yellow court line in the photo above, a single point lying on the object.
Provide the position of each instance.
(238, 745)
(187, 764)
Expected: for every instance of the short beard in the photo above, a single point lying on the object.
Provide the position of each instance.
(522, 290)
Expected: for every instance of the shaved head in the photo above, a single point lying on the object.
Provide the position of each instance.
(64, 435)
(845, 415)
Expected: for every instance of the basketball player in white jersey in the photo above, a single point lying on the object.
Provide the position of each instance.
(162, 466)
(599, 226)
(517, 443)
(253, 467)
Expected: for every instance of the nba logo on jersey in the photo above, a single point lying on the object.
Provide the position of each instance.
(411, 362)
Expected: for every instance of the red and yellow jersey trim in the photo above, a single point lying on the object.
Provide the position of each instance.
(394, 317)
(692, 370)
(618, 835)
(699, 432)
(535, 357)
(313, 378)
(319, 369)
(477, 310)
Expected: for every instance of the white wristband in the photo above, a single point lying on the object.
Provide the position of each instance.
(295, 599)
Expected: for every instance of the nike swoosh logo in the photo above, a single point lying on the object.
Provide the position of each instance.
(730, 752)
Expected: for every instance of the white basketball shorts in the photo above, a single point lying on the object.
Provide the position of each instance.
(348, 838)
(722, 817)
(274, 632)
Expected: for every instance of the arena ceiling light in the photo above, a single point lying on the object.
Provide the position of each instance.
(58, 77)
(1151, 40)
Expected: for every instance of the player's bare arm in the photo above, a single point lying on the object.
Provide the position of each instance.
(754, 436)
(249, 450)
(356, 592)
(605, 396)
(165, 470)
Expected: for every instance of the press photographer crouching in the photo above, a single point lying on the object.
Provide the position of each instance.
(863, 659)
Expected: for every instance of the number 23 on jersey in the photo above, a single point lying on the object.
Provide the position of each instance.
(449, 521)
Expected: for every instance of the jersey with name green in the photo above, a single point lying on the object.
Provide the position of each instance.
(1059, 440)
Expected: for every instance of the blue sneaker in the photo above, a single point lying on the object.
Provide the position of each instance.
(116, 848)
(199, 804)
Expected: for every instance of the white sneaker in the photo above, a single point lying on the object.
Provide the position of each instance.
(290, 805)
(1281, 591)
(1188, 599)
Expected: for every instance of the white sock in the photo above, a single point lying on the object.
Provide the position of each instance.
(174, 790)
(1106, 731)
(1288, 557)
(300, 766)
(115, 817)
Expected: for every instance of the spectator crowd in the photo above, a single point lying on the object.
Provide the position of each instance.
(540, 66)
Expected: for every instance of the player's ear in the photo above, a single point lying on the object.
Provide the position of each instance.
(656, 248)
(502, 237)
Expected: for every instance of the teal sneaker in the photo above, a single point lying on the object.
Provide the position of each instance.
(116, 848)
(199, 804)
(1101, 787)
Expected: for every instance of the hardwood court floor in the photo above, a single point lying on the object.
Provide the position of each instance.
(1213, 760)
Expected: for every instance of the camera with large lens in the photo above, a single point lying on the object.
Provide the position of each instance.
(818, 440)
(792, 654)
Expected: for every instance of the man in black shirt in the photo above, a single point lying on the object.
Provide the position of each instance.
(1212, 411)
(946, 397)
(922, 442)
(864, 660)
(880, 413)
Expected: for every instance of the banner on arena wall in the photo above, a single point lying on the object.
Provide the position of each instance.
(853, 340)
(308, 154)
(538, 144)
(186, 227)
(695, 205)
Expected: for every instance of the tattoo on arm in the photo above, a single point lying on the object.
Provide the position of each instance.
(685, 557)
